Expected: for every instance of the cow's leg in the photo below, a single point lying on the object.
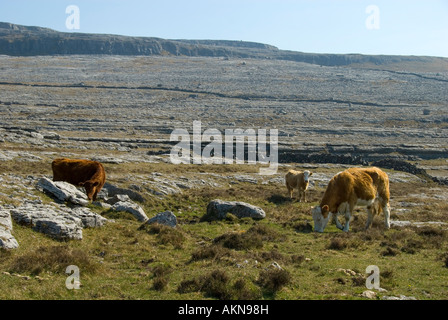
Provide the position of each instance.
(386, 210)
(347, 221)
(290, 190)
(336, 221)
(348, 214)
(304, 195)
(369, 217)
(300, 194)
(341, 210)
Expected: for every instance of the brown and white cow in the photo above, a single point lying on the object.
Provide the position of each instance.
(367, 187)
(298, 180)
(85, 173)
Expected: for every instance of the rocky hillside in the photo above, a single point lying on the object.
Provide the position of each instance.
(17, 40)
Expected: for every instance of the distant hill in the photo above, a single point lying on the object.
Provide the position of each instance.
(18, 40)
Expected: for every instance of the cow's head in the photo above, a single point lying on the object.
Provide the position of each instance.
(90, 187)
(321, 216)
(306, 175)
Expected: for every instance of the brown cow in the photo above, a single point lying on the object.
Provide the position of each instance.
(354, 187)
(298, 180)
(85, 173)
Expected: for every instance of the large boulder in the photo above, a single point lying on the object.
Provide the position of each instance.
(62, 191)
(166, 218)
(7, 240)
(218, 209)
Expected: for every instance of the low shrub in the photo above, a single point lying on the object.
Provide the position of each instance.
(217, 284)
(389, 251)
(214, 252)
(239, 241)
(252, 238)
(54, 259)
(337, 244)
(273, 279)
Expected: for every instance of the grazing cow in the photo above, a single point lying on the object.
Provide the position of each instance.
(298, 180)
(353, 187)
(85, 173)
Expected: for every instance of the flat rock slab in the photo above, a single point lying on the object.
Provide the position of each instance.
(62, 191)
(59, 222)
(219, 209)
(48, 220)
(7, 240)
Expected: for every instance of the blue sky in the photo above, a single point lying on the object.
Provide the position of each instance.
(405, 27)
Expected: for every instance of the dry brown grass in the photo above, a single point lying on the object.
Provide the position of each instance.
(54, 259)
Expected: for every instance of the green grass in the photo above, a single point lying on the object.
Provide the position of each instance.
(233, 258)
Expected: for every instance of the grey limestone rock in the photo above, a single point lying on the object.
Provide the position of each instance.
(218, 209)
(131, 207)
(57, 221)
(62, 191)
(166, 218)
(113, 190)
(117, 198)
(401, 297)
(7, 240)
(48, 220)
(89, 219)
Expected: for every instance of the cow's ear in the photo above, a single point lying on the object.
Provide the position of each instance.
(310, 174)
(325, 211)
(81, 184)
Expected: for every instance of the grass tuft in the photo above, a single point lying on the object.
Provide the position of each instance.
(166, 235)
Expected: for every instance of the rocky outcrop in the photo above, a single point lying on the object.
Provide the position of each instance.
(48, 220)
(218, 209)
(57, 221)
(7, 240)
